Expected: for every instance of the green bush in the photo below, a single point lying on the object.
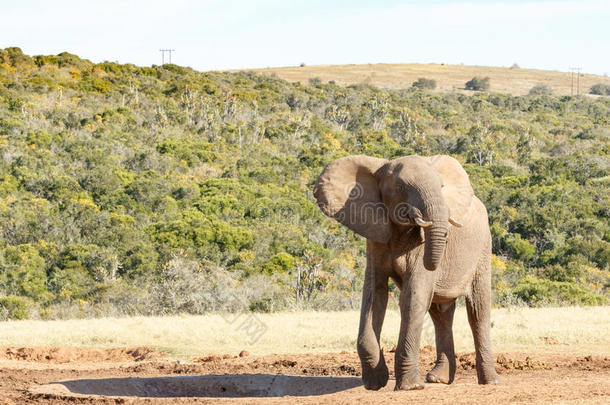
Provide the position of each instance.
(261, 305)
(188, 151)
(540, 89)
(520, 248)
(279, 263)
(22, 272)
(536, 291)
(425, 84)
(478, 84)
(315, 81)
(600, 89)
(66, 59)
(12, 307)
(14, 56)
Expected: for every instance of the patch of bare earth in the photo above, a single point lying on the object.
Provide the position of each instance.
(141, 376)
(71, 354)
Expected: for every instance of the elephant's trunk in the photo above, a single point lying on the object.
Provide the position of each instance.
(435, 245)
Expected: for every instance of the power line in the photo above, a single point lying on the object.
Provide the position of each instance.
(169, 51)
(577, 71)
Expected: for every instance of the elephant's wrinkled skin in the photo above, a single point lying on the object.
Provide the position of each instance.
(427, 231)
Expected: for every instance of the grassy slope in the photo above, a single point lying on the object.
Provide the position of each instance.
(448, 77)
(571, 330)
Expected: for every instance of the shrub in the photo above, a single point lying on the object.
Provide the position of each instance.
(261, 305)
(478, 84)
(600, 89)
(425, 84)
(66, 59)
(12, 307)
(191, 152)
(230, 237)
(315, 81)
(521, 248)
(186, 286)
(280, 263)
(14, 56)
(22, 272)
(537, 291)
(540, 89)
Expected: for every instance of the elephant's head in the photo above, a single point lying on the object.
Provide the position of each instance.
(373, 196)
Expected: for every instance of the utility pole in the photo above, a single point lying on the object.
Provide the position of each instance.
(169, 51)
(577, 71)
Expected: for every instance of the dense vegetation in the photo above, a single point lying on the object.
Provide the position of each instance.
(161, 189)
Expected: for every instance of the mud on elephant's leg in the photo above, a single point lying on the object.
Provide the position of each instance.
(478, 307)
(374, 302)
(444, 368)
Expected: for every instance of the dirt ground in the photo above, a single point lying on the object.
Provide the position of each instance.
(141, 375)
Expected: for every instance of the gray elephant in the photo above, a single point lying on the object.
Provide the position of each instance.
(427, 231)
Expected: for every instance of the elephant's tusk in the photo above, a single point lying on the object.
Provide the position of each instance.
(455, 223)
(422, 223)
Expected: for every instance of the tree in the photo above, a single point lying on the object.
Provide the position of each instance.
(22, 272)
(600, 89)
(425, 84)
(540, 89)
(478, 84)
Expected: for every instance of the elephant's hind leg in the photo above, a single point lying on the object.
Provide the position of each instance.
(444, 368)
(478, 307)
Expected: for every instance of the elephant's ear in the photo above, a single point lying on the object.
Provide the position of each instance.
(347, 191)
(456, 190)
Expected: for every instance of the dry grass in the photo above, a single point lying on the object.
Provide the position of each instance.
(570, 330)
(448, 77)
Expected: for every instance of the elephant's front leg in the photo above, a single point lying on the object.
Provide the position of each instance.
(444, 367)
(374, 301)
(415, 299)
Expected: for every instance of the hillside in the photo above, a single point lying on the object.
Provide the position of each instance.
(159, 190)
(449, 78)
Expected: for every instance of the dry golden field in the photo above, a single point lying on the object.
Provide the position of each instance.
(515, 81)
(573, 330)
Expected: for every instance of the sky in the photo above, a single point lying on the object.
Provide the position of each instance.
(234, 34)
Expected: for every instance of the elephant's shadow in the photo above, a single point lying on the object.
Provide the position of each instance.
(229, 385)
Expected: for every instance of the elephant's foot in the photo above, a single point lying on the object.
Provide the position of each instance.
(408, 380)
(487, 375)
(407, 385)
(440, 374)
(375, 378)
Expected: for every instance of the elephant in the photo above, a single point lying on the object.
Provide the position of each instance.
(427, 231)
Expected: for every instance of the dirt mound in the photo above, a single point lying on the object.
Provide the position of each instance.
(206, 359)
(467, 362)
(77, 354)
(526, 364)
